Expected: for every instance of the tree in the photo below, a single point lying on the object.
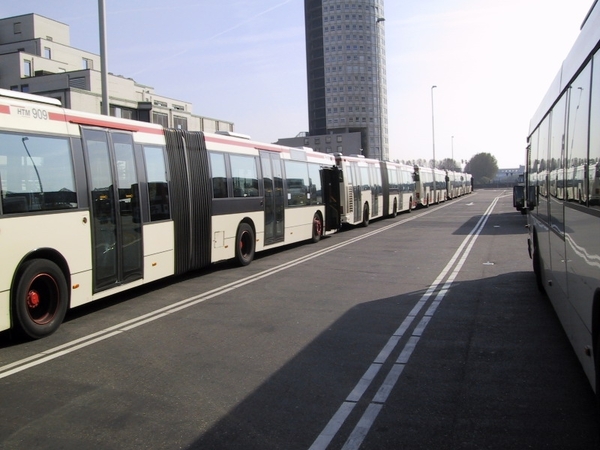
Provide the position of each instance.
(449, 164)
(482, 166)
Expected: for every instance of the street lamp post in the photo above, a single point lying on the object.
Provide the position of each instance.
(378, 61)
(103, 58)
(433, 126)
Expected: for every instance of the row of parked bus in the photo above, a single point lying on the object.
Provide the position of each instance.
(92, 205)
(370, 189)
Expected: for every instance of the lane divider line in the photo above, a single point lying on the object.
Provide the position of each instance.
(358, 434)
(128, 325)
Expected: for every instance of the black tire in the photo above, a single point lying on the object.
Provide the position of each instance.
(245, 244)
(410, 205)
(365, 219)
(40, 298)
(317, 228)
(395, 209)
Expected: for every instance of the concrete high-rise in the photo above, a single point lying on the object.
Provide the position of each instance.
(345, 60)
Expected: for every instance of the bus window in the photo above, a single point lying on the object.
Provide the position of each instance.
(316, 188)
(158, 188)
(219, 175)
(245, 176)
(296, 174)
(36, 174)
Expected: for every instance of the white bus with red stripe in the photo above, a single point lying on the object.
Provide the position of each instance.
(93, 205)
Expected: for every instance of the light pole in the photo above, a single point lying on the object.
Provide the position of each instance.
(103, 57)
(378, 61)
(433, 125)
(452, 149)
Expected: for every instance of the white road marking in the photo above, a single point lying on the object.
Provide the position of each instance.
(368, 418)
(85, 341)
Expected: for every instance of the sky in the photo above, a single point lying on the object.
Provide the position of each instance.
(245, 62)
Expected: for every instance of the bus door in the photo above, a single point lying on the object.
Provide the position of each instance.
(376, 190)
(330, 179)
(273, 196)
(115, 210)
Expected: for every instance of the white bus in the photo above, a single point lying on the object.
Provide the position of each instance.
(430, 186)
(370, 189)
(401, 186)
(92, 205)
(562, 195)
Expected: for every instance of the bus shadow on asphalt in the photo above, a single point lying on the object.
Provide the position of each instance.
(497, 224)
(493, 369)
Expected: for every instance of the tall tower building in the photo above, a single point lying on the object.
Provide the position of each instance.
(345, 60)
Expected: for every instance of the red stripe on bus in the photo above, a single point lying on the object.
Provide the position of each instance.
(4, 109)
(261, 146)
(104, 123)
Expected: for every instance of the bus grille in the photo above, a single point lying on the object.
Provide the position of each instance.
(350, 202)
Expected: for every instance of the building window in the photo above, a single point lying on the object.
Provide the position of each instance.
(24, 88)
(87, 63)
(123, 113)
(47, 53)
(17, 27)
(160, 119)
(180, 123)
(26, 68)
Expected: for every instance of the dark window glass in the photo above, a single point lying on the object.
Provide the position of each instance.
(158, 187)
(36, 174)
(244, 175)
(219, 175)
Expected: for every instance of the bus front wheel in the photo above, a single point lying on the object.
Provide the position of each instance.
(244, 250)
(40, 299)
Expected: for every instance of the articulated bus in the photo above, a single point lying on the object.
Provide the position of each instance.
(458, 184)
(93, 205)
(430, 186)
(563, 193)
(370, 189)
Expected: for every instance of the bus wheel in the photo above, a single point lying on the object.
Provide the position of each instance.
(317, 228)
(365, 220)
(244, 250)
(395, 210)
(40, 299)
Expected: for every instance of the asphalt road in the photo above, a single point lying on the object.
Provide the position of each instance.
(425, 331)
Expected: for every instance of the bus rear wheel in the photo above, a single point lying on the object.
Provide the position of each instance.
(365, 219)
(40, 299)
(244, 250)
(317, 228)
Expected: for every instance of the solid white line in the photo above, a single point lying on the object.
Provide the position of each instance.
(389, 383)
(76, 344)
(408, 349)
(362, 428)
(363, 383)
(333, 426)
(370, 415)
